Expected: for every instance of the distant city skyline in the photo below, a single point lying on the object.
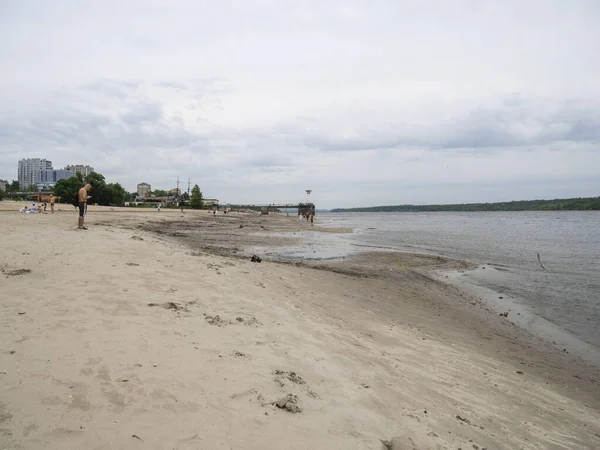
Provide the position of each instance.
(40, 172)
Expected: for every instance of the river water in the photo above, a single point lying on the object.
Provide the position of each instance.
(566, 293)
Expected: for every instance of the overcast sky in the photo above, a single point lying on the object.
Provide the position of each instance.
(365, 102)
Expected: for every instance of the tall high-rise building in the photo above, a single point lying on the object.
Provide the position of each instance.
(29, 171)
(80, 168)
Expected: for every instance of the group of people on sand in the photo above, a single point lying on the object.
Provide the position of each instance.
(307, 216)
(40, 208)
(215, 210)
(82, 199)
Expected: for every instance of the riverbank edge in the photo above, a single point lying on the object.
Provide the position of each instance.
(487, 310)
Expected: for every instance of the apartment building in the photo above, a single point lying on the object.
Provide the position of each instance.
(29, 170)
(84, 170)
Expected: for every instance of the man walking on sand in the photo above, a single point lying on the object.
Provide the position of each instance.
(83, 197)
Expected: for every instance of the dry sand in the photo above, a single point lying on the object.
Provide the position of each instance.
(120, 337)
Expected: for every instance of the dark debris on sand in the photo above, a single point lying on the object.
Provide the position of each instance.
(169, 305)
(289, 403)
(16, 272)
(281, 375)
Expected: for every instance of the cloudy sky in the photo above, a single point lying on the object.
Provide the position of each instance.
(365, 102)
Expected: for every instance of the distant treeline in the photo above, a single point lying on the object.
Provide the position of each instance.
(565, 204)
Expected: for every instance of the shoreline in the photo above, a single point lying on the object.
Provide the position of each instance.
(168, 339)
(331, 251)
(283, 248)
(497, 302)
(284, 245)
(551, 334)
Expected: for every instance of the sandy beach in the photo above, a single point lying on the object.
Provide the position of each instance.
(156, 331)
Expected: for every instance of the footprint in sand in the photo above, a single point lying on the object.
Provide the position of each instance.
(217, 320)
(281, 375)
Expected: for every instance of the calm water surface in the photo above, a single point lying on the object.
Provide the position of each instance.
(567, 293)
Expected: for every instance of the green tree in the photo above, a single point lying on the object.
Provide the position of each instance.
(101, 192)
(13, 187)
(185, 196)
(196, 200)
(159, 193)
(2, 194)
(115, 194)
(67, 189)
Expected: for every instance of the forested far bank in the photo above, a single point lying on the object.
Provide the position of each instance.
(566, 204)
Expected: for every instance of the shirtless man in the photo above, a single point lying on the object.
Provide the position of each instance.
(83, 198)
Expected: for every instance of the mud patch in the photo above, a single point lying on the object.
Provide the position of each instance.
(169, 305)
(16, 272)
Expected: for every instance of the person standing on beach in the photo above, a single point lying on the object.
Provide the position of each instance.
(52, 203)
(83, 198)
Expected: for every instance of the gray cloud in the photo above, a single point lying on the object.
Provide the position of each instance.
(385, 96)
(516, 123)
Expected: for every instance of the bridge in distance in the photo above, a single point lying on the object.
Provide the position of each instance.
(303, 208)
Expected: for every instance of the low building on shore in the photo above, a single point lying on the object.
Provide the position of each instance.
(211, 202)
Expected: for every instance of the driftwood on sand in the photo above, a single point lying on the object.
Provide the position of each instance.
(540, 261)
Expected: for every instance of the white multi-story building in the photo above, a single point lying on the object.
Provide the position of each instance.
(29, 171)
(80, 168)
(3, 185)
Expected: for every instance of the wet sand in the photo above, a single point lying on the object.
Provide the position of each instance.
(152, 330)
